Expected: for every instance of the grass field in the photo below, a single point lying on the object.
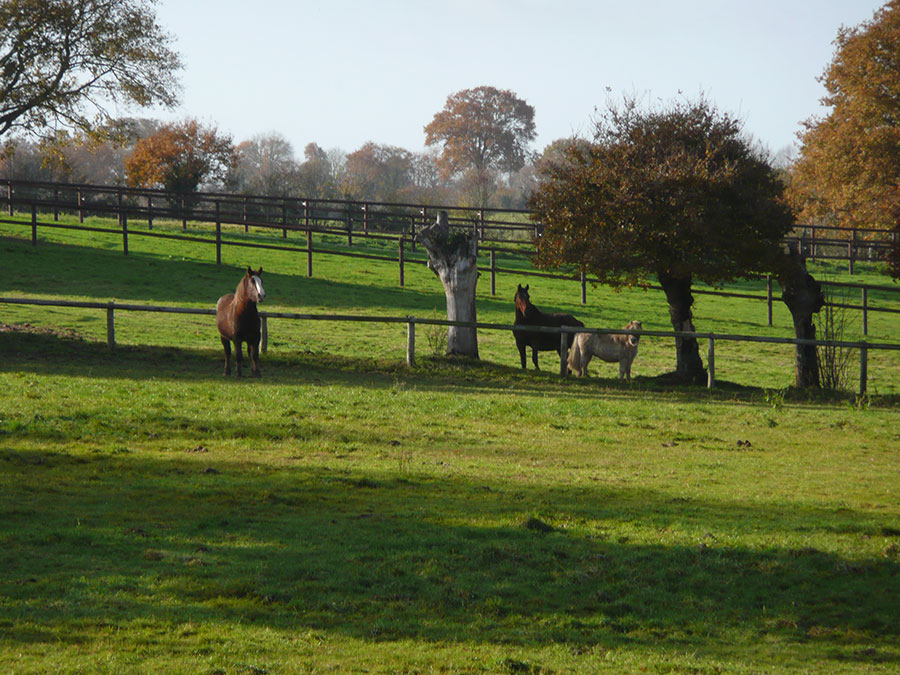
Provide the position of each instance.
(348, 514)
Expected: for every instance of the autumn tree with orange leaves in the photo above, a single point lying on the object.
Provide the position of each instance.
(483, 131)
(848, 171)
(179, 157)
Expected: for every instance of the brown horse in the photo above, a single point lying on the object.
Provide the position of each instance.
(528, 314)
(238, 320)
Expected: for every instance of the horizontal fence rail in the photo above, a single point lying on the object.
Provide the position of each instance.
(402, 258)
(396, 222)
(359, 217)
(411, 321)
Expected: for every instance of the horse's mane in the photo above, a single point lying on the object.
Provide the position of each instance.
(241, 293)
(523, 305)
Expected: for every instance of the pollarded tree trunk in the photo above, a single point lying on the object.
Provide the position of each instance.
(453, 258)
(803, 296)
(689, 366)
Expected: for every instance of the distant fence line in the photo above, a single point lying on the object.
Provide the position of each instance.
(376, 220)
(411, 322)
(361, 217)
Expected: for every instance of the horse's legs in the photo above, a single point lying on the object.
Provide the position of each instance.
(238, 355)
(253, 355)
(522, 355)
(226, 344)
(534, 351)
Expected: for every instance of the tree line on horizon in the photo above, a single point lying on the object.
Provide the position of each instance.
(188, 156)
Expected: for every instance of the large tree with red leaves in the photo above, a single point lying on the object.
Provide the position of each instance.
(675, 193)
(482, 131)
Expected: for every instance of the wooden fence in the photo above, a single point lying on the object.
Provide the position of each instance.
(369, 220)
(111, 307)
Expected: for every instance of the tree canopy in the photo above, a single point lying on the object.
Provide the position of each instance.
(482, 131)
(675, 193)
(62, 62)
(265, 165)
(848, 171)
(179, 157)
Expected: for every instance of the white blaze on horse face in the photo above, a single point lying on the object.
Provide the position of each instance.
(260, 291)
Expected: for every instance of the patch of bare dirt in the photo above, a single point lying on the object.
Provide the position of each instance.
(67, 333)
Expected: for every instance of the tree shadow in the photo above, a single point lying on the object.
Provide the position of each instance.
(141, 277)
(420, 557)
(54, 352)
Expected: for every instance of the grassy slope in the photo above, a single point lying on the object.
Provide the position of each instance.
(345, 513)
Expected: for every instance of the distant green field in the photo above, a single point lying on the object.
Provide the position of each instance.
(345, 513)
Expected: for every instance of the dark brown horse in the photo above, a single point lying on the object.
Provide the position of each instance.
(238, 320)
(529, 315)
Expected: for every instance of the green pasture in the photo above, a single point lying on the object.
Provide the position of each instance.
(345, 513)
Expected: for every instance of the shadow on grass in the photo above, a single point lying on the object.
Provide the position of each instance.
(103, 540)
(107, 274)
(46, 351)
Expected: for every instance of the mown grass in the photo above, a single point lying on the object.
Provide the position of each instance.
(345, 513)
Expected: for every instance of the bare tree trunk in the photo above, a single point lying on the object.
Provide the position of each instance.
(453, 258)
(689, 366)
(803, 296)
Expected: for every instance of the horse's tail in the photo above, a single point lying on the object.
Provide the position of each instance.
(574, 360)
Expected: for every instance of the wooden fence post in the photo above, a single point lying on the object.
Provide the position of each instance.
(349, 227)
(711, 364)
(493, 272)
(583, 288)
(284, 220)
(851, 249)
(264, 333)
(411, 341)
(55, 204)
(865, 310)
(124, 217)
(769, 295)
(309, 252)
(218, 233)
(110, 326)
(863, 369)
(400, 260)
(80, 201)
(9, 197)
(149, 212)
(33, 225)
(563, 353)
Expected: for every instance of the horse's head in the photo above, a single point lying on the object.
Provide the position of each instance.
(634, 325)
(522, 298)
(253, 281)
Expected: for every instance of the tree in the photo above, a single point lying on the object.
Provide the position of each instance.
(315, 177)
(803, 296)
(63, 61)
(179, 157)
(676, 193)
(453, 257)
(378, 172)
(265, 165)
(483, 131)
(848, 171)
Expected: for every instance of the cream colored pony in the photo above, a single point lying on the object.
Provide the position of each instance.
(611, 348)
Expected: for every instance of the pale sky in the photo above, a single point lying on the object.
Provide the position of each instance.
(343, 72)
